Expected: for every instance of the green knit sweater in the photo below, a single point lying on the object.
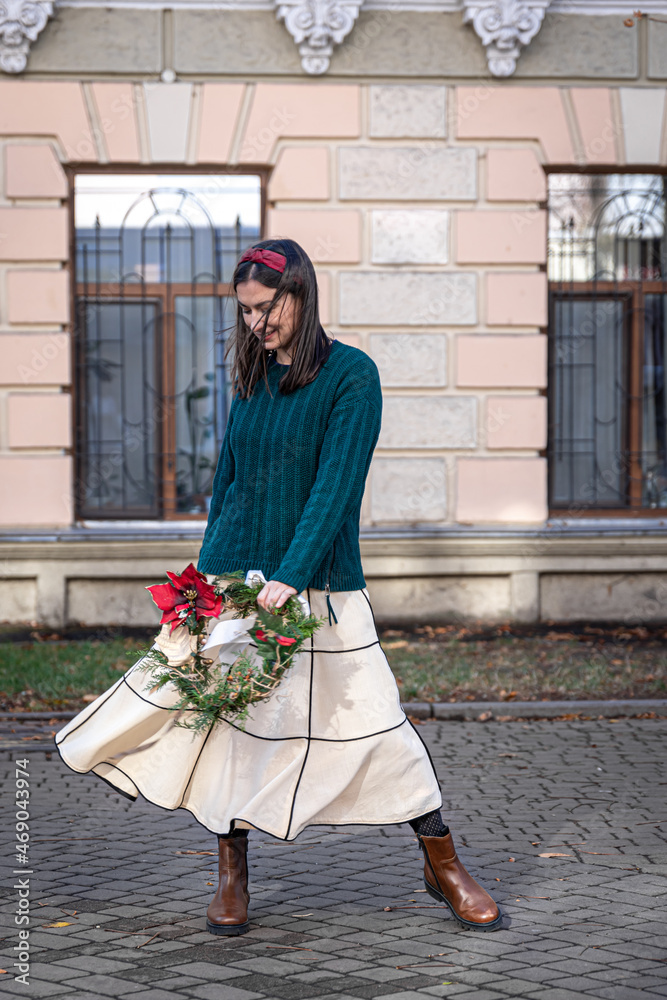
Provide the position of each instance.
(290, 477)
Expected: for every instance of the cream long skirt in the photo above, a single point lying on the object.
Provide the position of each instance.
(331, 745)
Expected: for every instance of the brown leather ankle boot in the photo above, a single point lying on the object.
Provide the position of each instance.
(447, 881)
(228, 910)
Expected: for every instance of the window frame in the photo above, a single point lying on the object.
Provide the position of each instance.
(634, 291)
(148, 291)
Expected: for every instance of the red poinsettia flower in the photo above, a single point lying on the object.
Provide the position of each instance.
(188, 592)
(284, 640)
(261, 635)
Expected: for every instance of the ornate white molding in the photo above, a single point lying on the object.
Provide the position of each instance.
(504, 26)
(596, 8)
(316, 26)
(20, 23)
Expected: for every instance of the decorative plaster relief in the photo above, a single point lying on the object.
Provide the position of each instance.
(504, 26)
(20, 23)
(316, 26)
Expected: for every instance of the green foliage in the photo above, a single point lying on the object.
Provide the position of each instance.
(206, 696)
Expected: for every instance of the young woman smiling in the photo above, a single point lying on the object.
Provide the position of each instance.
(332, 745)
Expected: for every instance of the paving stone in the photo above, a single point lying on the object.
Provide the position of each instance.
(182, 982)
(93, 963)
(207, 970)
(223, 992)
(52, 973)
(314, 976)
(597, 935)
(36, 987)
(561, 994)
(155, 995)
(622, 992)
(107, 985)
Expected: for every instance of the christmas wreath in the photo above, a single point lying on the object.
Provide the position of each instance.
(213, 671)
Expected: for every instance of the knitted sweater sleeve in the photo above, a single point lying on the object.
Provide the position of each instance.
(224, 477)
(350, 438)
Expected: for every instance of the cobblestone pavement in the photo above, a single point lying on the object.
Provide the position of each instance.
(124, 882)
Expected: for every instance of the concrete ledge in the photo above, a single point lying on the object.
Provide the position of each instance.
(472, 710)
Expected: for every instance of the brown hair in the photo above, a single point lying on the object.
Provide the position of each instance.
(310, 344)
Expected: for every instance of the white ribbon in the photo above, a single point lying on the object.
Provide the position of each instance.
(255, 576)
(228, 640)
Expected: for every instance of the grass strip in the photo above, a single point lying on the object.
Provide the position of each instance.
(429, 664)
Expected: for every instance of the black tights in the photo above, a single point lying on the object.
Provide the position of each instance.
(429, 825)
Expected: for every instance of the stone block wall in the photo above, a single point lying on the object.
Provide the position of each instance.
(423, 207)
(418, 184)
(35, 397)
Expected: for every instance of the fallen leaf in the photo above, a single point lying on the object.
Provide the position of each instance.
(553, 854)
(300, 914)
(209, 883)
(59, 923)
(511, 859)
(484, 716)
(195, 852)
(3, 972)
(89, 697)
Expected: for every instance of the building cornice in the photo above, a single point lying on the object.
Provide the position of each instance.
(504, 27)
(591, 8)
(21, 21)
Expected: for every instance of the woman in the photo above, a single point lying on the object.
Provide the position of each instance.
(286, 500)
(332, 745)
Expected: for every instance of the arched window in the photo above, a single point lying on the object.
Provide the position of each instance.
(608, 333)
(154, 256)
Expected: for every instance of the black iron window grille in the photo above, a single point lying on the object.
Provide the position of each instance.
(152, 306)
(607, 267)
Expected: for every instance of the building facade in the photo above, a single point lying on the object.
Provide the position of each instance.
(481, 186)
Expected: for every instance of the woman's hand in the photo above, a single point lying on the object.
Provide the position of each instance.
(274, 594)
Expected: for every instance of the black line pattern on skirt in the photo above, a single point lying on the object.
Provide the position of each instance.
(201, 750)
(112, 690)
(333, 652)
(309, 738)
(255, 736)
(428, 753)
(235, 819)
(119, 791)
(310, 713)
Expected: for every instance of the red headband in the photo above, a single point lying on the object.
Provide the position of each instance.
(268, 257)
